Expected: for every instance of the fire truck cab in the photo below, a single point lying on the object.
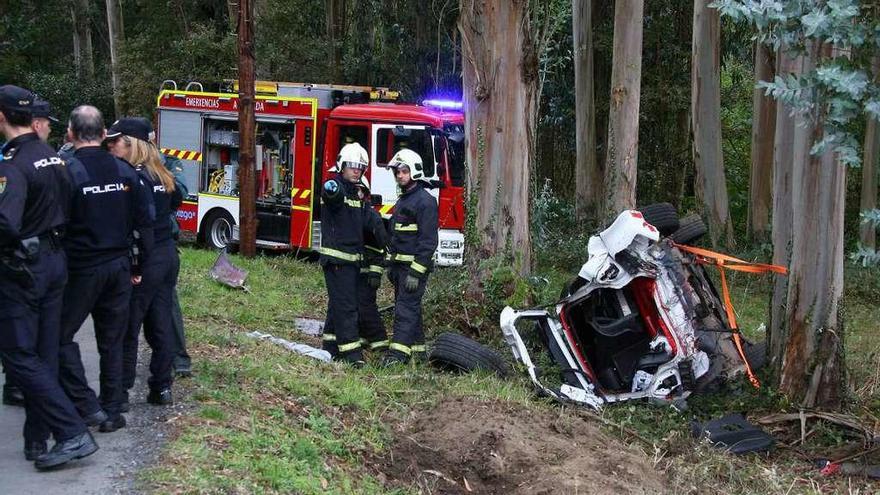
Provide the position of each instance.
(300, 129)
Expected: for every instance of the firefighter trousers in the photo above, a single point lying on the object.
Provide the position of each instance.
(151, 305)
(341, 338)
(371, 328)
(104, 291)
(29, 335)
(408, 339)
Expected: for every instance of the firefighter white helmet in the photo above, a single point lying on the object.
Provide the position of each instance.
(351, 155)
(410, 159)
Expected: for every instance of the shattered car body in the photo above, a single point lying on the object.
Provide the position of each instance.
(645, 322)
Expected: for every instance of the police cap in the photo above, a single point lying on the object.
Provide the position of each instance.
(16, 99)
(42, 109)
(136, 127)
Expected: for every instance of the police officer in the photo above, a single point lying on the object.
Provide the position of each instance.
(370, 325)
(43, 119)
(151, 300)
(342, 240)
(413, 242)
(108, 239)
(33, 189)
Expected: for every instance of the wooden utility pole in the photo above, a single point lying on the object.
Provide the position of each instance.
(247, 217)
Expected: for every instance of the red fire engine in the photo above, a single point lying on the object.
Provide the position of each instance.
(300, 129)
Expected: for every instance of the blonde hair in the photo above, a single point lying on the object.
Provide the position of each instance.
(146, 154)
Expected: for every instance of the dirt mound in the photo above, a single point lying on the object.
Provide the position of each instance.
(467, 446)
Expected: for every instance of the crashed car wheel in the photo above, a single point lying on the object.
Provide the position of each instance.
(457, 352)
(692, 228)
(756, 353)
(661, 215)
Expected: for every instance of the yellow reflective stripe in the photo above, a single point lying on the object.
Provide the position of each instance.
(329, 337)
(349, 347)
(419, 348)
(378, 344)
(374, 249)
(413, 227)
(339, 254)
(375, 269)
(354, 203)
(418, 267)
(406, 258)
(400, 347)
(364, 341)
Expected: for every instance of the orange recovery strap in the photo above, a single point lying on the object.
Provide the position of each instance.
(724, 261)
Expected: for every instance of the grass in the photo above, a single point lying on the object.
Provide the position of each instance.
(268, 421)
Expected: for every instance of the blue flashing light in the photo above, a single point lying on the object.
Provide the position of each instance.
(443, 104)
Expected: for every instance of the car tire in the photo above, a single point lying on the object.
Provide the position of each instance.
(692, 229)
(452, 351)
(756, 354)
(217, 229)
(661, 215)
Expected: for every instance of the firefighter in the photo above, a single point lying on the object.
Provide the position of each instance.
(342, 240)
(413, 242)
(152, 298)
(109, 237)
(370, 325)
(34, 186)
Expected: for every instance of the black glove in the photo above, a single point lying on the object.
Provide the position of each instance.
(411, 283)
(374, 281)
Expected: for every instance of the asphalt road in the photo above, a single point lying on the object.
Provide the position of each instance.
(111, 469)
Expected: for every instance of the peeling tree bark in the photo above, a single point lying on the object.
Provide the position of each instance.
(623, 116)
(812, 362)
(706, 110)
(500, 71)
(868, 231)
(588, 175)
(763, 125)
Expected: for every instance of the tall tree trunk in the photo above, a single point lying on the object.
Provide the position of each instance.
(232, 14)
(336, 35)
(706, 109)
(812, 362)
(868, 231)
(588, 176)
(763, 124)
(84, 57)
(116, 35)
(623, 115)
(782, 215)
(500, 70)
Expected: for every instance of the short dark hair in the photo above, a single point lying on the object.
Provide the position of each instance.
(17, 118)
(87, 123)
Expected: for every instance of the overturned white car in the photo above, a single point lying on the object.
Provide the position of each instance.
(642, 320)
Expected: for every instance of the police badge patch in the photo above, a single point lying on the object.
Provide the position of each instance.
(2, 185)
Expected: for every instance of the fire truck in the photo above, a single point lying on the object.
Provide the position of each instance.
(300, 129)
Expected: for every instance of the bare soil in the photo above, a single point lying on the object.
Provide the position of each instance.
(468, 446)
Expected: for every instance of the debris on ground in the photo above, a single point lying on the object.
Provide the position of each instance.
(304, 349)
(309, 326)
(733, 434)
(228, 274)
(468, 446)
(452, 351)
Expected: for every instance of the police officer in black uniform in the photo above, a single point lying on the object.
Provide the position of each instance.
(108, 239)
(413, 242)
(370, 325)
(342, 244)
(33, 191)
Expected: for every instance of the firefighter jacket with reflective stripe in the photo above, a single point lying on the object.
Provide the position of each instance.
(414, 230)
(342, 223)
(375, 242)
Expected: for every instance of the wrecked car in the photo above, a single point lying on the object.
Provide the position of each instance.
(643, 320)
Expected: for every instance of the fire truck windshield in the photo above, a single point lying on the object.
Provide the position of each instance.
(456, 153)
(391, 140)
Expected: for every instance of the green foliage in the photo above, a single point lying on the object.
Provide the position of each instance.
(559, 238)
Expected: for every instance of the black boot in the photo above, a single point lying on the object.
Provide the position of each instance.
(124, 406)
(160, 397)
(96, 418)
(112, 424)
(34, 449)
(12, 395)
(63, 452)
(394, 358)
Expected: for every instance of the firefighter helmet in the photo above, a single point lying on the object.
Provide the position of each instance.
(411, 160)
(351, 155)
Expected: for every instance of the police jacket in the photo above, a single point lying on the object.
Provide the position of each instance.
(175, 166)
(111, 209)
(342, 223)
(414, 230)
(166, 202)
(375, 242)
(34, 189)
